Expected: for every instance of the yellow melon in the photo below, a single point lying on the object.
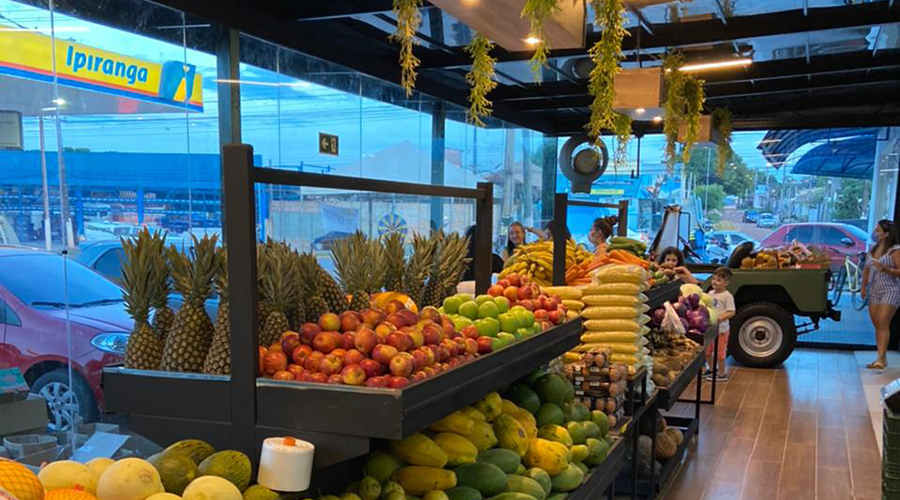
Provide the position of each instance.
(164, 496)
(99, 465)
(68, 474)
(19, 481)
(129, 479)
(211, 488)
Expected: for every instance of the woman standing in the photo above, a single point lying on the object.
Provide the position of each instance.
(515, 237)
(601, 230)
(881, 285)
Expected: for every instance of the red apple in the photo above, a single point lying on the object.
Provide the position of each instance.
(430, 313)
(325, 342)
(299, 354)
(371, 317)
(349, 321)
(339, 352)
(444, 353)
(469, 357)
(417, 337)
(433, 348)
(453, 335)
(331, 365)
(541, 315)
(276, 347)
(546, 324)
(295, 369)
(495, 291)
(347, 341)
(552, 302)
(371, 367)
(433, 334)
(365, 340)
(399, 382)
(524, 292)
(352, 374)
(455, 362)
(395, 319)
(484, 345)
(512, 293)
(335, 379)
(383, 353)
(289, 341)
(379, 381)
(275, 361)
(308, 332)
(445, 367)
(503, 282)
(470, 332)
(420, 359)
(554, 316)
(402, 365)
(394, 306)
(353, 357)
(526, 303)
(471, 346)
(283, 375)
(447, 325)
(514, 279)
(399, 341)
(318, 378)
(419, 376)
(313, 361)
(430, 370)
(460, 344)
(409, 317)
(330, 322)
(262, 360)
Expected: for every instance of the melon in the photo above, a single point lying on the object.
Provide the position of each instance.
(211, 488)
(99, 465)
(229, 464)
(69, 494)
(196, 449)
(68, 474)
(260, 492)
(164, 496)
(176, 470)
(129, 479)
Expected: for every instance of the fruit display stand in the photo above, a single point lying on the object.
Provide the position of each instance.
(602, 478)
(561, 204)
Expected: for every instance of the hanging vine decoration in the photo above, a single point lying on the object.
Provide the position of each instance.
(408, 21)
(607, 56)
(723, 121)
(537, 12)
(683, 106)
(480, 79)
(728, 8)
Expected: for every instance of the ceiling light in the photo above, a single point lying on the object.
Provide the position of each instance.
(717, 65)
(640, 110)
(657, 119)
(532, 40)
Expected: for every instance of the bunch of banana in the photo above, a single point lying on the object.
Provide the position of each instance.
(576, 254)
(536, 260)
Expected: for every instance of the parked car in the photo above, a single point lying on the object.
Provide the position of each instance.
(766, 221)
(751, 216)
(325, 241)
(33, 297)
(837, 240)
(728, 240)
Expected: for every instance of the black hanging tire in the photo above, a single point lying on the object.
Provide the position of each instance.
(762, 335)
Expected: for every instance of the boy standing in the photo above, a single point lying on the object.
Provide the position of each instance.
(723, 301)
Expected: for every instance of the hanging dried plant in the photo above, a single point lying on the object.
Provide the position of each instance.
(481, 79)
(537, 12)
(694, 97)
(622, 128)
(408, 21)
(722, 119)
(607, 55)
(728, 8)
(684, 103)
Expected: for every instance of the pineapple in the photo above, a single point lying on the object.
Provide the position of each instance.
(279, 283)
(218, 359)
(459, 262)
(144, 348)
(163, 316)
(263, 308)
(314, 304)
(417, 268)
(297, 313)
(449, 263)
(394, 261)
(331, 291)
(352, 260)
(188, 342)
(376, 266)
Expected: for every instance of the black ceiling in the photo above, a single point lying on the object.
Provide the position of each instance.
(826, 71)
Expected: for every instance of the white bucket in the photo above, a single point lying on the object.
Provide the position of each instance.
(285, 464)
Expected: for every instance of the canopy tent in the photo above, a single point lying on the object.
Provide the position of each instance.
(837, 152)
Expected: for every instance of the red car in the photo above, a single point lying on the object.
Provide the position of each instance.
(838, 240)
(33, 329)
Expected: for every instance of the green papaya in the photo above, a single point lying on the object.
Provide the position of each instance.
(520, 470)
(558, 496)
(524, 397)
(598, 450)
(533, 377)
(381, 466)
(542, 478)
(568, 480)
(584, 468)
(522, 484)
(463, 493)
(419, 449)
(549, 413)
(552, 388)
(507, 460)
(576, 432)
(579, 452)
(591, 430)
(557, 433)
(581, 411)
(602, 421)
(484, 477)
(512, 495)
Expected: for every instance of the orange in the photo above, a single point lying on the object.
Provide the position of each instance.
(69, 494)
(21, 482)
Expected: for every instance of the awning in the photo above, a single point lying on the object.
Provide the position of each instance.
(831, 158)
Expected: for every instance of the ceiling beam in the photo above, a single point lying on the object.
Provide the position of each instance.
(330, 9)
(709, 31)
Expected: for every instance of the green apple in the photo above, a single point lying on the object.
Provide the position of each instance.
(518, 308)
(465, 297)
(502, 304)
(522, 333)
(494, 324)
(460, 322)
(481, 299)
(488, 309)
(469, 310)
(521, 318)
(442, 310)
(484, 328)
(497, 344)
(529, 318)
(508, 322)
(507, 338)
(451, 304)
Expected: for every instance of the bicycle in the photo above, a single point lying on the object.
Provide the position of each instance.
(851, 274)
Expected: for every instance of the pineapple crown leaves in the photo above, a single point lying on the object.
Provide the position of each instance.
(377, 265)
(395, 260)
(137, 276)
(160, 282)
(193, 275)
(416, 272)
(279, 281)
(308, 268)
(351, 261)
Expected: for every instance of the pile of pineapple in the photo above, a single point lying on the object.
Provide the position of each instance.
(293, 289)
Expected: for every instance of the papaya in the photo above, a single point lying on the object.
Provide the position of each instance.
(512, 495)
(581, 411)
(473, 414)
(507, 460)
(569, 394)
(579, 452)
(591, 430)
(548, 455)
(549, 413)
(459, 450)
(568, 410)
(418, 480)
(463, 493)
(522, 484)
(482, 436)
(552, 388)
(408, 497)
(524, 397)
(520, 470)
(490, 406)
(584, 468)
(369, 488)
(419, 449)
(598, 450)
(576, 430)
(436, 495)
(488, 479)
(456, 422)
(510, 434)
(542, 478)
(556, 433)
(527, 420)
(508, 407)
(381, 466)
(533, 377)
(568, 480)
(558, 496)
(602, 421)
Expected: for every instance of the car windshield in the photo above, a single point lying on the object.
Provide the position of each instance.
(858, 233)
(38, 281)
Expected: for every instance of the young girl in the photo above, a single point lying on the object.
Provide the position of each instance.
(671, 257)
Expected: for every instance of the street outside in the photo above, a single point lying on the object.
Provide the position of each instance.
(733, 220)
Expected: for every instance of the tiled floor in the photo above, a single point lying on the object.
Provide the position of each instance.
(800, 432)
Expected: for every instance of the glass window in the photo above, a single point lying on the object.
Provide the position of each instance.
(36, 288)
(832, 236)
(10, 316)
(110, 264)
(803, 234)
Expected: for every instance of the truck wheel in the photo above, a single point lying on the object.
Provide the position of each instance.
(762, 335)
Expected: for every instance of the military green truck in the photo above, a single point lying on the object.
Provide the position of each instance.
(773, 307)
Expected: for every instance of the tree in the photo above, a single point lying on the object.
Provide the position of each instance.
(850, 200)
(738, 179)
(712, 194)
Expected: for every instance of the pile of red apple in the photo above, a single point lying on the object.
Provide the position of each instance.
(521, 291)
(375, 348)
